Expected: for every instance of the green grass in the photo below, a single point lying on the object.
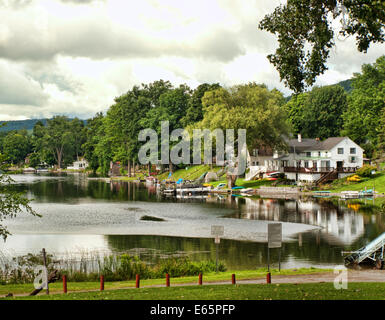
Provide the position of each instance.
(307, 291)
(209, 277)
(343, 185)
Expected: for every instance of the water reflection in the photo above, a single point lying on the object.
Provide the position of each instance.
(344, 226)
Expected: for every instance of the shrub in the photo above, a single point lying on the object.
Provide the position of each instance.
(366, 170)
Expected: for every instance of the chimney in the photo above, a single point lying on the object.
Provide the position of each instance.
(299, 138)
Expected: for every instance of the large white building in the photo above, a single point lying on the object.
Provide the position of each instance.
(309, 159)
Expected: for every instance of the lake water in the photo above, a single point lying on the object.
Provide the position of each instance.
(86, 215)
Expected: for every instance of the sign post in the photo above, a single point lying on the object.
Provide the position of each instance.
(274, 239)
(46, 270)
(217, 231)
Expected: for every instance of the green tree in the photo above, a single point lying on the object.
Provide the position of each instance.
(92, 133)
(318, 113)
(365, 105)
(252, 107)
(11, 202)
(78, 135)
(16, 146)
(305, 33)
(172, 107)
(194, 111)
(57, 139)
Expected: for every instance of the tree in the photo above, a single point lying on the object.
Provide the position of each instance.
(194, 111)
(380, 152)
(11, 202)
(16, 146)
(366, 104)
(318, 113)
(305, 34)
(77, 129)
(172, 107)
(57, 138)
(252, 107)
(92, 133)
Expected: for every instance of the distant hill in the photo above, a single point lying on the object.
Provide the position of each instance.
(22, 124)
(346, 84)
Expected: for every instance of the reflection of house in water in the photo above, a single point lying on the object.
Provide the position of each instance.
(340, 225)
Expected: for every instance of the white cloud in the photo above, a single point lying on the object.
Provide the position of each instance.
(74, 57)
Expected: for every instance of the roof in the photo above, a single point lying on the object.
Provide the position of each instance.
(314, 144)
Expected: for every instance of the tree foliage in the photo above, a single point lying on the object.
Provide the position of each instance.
(318, 113)
(252, 107)
(11, 202)
(366, 105)
(304, 29)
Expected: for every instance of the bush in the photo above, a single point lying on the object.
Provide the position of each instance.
(366, 171)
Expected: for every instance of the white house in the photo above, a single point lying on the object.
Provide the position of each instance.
(79, 165)
(309, 159)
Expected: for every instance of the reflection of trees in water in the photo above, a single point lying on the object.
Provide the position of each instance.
(235, 254)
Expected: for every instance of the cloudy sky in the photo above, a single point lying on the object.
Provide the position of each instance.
(73, 57)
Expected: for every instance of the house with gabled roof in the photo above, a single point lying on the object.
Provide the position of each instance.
(310, 159)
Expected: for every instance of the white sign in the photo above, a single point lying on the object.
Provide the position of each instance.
(217, 230)
(217, 240)
(274, 234)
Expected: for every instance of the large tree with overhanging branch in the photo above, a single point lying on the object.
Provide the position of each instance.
(306, 31)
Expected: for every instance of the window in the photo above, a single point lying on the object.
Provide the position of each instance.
(306, 164)
(319, 153)
(352, 150)
(340, 150)
(255, 152)
(308, 154)
(353, 159)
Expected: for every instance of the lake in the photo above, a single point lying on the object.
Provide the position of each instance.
(90, 215)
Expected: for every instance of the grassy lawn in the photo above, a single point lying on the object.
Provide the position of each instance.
(343, 185)
(210, 277)
(308, 291)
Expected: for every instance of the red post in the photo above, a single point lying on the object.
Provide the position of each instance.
(137, 281)
(167, 280)
(233, 279)
(64, 283)
(200, 279)
(268, 277)
(101, 283)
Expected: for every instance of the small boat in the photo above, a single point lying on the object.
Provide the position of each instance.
(29, 170)
(220, 186)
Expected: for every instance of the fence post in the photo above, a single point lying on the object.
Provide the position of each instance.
(167, 280)
(64, 283)
(268, 277)
(101, 283)
(200, 279)
(137, 281)
(233, 281)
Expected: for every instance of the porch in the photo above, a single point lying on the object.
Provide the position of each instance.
(319, 170)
